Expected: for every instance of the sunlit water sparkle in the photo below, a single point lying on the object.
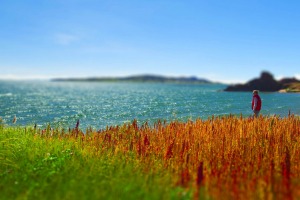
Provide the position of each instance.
(104, 104)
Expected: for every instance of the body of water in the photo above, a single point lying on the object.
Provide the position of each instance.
(104, 104)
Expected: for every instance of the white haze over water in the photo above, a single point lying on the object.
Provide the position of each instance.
(210, 77)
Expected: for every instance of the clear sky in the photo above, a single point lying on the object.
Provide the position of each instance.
(221, 40)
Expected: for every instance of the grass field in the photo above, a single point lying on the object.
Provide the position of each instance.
(218, 158)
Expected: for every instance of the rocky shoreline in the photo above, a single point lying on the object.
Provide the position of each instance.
(267, 83)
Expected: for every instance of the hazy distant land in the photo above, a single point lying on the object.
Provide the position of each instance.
(265, 83)
(139, 78)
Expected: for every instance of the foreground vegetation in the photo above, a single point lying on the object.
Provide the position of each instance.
(219, 158)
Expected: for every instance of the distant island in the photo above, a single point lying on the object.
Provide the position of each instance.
(267, 83)
(140, 78)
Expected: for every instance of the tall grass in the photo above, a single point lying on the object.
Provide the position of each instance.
(219, 158)
(53, 164)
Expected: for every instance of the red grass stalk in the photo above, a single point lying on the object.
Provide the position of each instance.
(286, 173)
(200, 176)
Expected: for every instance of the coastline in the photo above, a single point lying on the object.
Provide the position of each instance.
(289, 91)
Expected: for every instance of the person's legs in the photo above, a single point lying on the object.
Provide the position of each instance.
(256, 113)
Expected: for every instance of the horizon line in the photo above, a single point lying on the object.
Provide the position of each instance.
(13, 77)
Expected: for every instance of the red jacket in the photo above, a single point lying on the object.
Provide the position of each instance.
(258, 106)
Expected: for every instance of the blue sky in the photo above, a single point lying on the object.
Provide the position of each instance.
(229, 41)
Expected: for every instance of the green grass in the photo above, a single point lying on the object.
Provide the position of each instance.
(222, 158)
(35, 167)
(293, 87)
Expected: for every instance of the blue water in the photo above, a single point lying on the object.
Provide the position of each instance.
(104, 104)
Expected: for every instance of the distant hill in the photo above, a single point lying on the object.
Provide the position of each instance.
(139, 78)
(267, 83)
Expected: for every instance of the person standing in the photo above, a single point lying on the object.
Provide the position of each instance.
(256, 103)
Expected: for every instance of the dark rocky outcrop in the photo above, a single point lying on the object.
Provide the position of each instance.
(288, 81)
(265, 83)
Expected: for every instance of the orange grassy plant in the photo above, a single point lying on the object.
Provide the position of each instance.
(221, 157)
